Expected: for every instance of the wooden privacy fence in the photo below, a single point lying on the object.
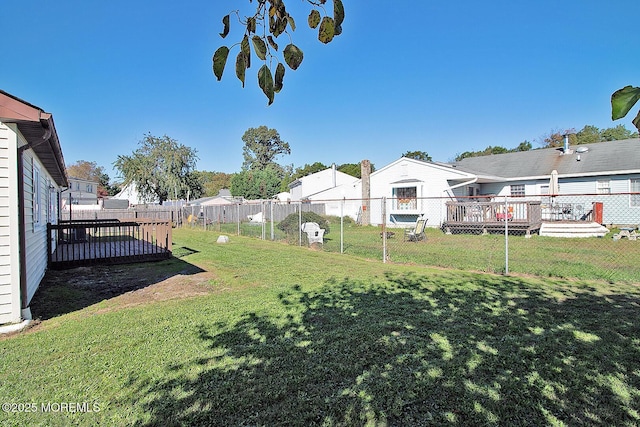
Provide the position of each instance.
(107, 241)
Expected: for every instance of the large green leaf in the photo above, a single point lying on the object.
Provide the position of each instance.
(279, 77)
(225, 31)
(327, 30)
(265, 81)
(338, 12)
(241, 67)
(623, 100)
(314, 19)
(293, 56)
(219, 61)
(246, 50)
(260, 47)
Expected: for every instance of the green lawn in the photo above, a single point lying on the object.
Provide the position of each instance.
(291, 336)
(581, 258)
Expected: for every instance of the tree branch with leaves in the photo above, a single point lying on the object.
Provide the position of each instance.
(262, 28)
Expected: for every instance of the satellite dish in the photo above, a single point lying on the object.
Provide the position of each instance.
(582, 149)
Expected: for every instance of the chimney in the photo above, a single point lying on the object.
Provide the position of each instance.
(566, 143)
(333, 170)
(365, 171)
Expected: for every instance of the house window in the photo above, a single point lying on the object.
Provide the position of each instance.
(603, 186)
(89, 188)
(37, 196)
(406, 198)
(517, 190)
(635, 188)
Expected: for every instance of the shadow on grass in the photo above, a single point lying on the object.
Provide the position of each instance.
(413, 350)
(66, 291)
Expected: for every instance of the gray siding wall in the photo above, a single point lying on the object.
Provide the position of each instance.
(35, 220)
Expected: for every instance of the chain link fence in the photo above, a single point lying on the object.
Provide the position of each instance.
(585, 236)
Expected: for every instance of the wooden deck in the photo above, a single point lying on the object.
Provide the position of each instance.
(108, 242)
(489, 217)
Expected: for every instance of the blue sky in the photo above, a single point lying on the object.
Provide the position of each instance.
(434, 76)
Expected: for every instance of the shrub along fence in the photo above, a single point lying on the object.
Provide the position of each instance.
(590, 236)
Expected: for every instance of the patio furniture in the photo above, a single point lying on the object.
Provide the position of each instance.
(628, 232)
(416, 233)
(314, 233)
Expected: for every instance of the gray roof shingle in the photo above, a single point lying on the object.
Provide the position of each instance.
(604, 158)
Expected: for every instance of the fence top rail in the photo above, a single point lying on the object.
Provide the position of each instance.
(479, 203)
(106, 224)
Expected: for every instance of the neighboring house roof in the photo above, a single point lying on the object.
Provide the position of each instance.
(130, 192)
(224, 197)
(602, 158)
(38, 128)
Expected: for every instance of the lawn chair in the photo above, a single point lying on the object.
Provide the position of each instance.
(314, 233)
(416, 233)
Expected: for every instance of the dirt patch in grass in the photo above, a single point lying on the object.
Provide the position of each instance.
(119, 285)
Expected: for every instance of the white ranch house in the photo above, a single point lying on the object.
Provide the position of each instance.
(582, 175)
(32, 174)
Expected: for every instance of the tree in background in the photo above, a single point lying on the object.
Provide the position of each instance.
(353, 169)
(486, 152)
(161, 168)
(261, 148)
(588, 135)
(308, 169)
(213, 182)
(256, 184)
(418, 155)
(617, 133)
(90, 171)
(262, 28)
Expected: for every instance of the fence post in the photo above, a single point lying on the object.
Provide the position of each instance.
(238, 206)
(273, 235)
(384, 230)
(342, 226)
(506, 236)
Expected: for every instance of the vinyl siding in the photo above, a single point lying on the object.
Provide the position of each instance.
(9, 261)
(36, 232)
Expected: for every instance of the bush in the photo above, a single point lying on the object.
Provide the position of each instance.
(290, 224)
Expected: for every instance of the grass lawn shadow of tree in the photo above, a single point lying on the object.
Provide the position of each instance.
(411, 350)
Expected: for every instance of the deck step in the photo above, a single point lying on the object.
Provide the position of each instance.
(573, 229)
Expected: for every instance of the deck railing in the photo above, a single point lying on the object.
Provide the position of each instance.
(494, 212)
(107, 241)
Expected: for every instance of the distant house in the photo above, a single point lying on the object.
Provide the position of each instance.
(583, 175)
(224, 197)
(80, 192)
(307, 186)
(406, 183)
(130, 192)
(32, 174)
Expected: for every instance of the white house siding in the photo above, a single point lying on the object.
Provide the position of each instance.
(9, 263)
(432, 187)
(36, 232)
